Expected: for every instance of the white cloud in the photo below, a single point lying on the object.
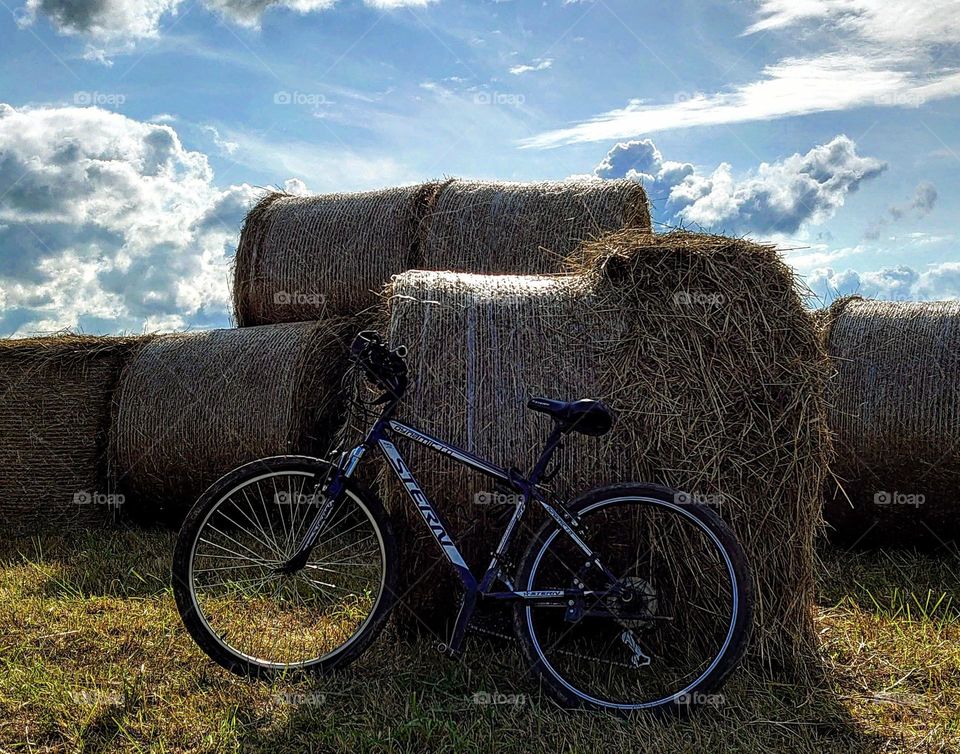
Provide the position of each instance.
(394, 4)
(537, 65)
(780, 196)
(642, 161)
(250, 12)
(130, 20)
(795, 86)
(901, 283)
(109, 223)
(105, 19)
(924, 200)
(905, 55)
(775, 199)
(224, 145)
(880, 21)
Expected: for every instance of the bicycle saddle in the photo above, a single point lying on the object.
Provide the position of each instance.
(588, 417)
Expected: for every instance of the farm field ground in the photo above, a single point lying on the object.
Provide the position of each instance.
(93, 658)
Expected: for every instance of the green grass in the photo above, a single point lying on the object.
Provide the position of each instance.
(93, 658)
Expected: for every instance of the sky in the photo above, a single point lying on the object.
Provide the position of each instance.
(134, 134)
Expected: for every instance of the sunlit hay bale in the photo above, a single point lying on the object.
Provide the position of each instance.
(701, 346)
(55, 397)
(307, 257)
(193, 406)
(525, 228)
(894, 409)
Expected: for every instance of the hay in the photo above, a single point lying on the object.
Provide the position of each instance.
(894, 407)
(525, 228)
(55, 396)
(721, 397)
(193, 406)
(303, 258)
(308, 257)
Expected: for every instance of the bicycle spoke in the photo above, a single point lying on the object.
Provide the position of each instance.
(276, 618)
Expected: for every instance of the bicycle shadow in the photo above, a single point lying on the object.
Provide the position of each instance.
(404, 696)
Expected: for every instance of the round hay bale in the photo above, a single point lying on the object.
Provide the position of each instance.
(308, 257)
(525, 228)
(55, 398)
(701, 346)
(193, 406)
(894, 409)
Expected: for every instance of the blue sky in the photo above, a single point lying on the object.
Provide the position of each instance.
(134, 134)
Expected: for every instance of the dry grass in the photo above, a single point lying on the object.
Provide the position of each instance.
(193, 406)
(895, 410)
(93, 658)
(55, 397)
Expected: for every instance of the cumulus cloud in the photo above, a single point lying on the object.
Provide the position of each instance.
(901, 283)
(642, 161)
(776, 198)
(105, 19)
(130, 20)
(923, 201)
(110, 223)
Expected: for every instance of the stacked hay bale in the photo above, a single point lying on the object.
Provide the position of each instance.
(307, 257)
(701, 346)
(525, 228)
(55, 398)
(193, 406)
(894, 408)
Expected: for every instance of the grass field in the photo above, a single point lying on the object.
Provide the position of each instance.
(93, 658)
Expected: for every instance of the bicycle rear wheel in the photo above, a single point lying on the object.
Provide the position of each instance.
(238, 605)
(667, 633)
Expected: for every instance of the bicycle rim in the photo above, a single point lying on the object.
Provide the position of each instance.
(659, 646)
(281, 621)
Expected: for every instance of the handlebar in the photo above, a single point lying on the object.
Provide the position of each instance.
(383, 367)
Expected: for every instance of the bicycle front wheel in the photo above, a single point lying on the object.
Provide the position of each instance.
(239, 605)
(669, 629)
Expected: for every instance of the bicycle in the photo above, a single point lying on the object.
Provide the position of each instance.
(631, 597)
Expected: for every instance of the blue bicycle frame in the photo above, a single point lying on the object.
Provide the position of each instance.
(380, 436)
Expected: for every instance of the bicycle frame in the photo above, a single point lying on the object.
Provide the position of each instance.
(380, 436)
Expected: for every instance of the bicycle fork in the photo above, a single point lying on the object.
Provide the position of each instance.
(333, 493)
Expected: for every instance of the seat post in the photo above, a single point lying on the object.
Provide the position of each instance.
(553, 441)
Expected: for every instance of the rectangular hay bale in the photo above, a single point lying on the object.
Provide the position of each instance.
(701, 346)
